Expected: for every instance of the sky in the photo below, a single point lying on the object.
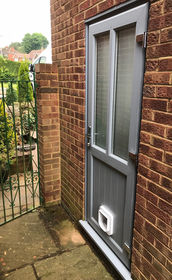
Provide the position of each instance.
(19, 17)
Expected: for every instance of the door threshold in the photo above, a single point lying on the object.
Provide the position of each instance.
(113, 259)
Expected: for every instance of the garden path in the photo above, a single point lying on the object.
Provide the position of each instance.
(46, 245)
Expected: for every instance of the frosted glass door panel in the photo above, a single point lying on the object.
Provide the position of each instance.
(102, 87)
(123, 91)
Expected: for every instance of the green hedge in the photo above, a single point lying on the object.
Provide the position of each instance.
(8, 69)
(7, 142)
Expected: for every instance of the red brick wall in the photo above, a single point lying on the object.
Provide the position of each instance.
(68, 47)
(152, 229)
(153, 216)
(48, 132)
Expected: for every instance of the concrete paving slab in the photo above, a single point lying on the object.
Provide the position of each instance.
(25, 273)
(23, 241)
(78, 264)
(48, 241)
(62, 228)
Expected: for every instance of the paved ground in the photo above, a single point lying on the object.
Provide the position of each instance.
(46, 245)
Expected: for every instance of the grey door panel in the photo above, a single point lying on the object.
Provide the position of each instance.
(115, 78)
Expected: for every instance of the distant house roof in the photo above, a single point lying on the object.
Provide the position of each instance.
(34, 54)
(13, 55)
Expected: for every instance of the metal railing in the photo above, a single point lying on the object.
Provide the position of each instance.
(19, 151)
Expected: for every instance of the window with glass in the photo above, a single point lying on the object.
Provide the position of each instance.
(122, 89)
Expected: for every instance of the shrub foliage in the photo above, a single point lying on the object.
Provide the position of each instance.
(24, 87)
(11, 95)
(8, 69)
(7, 140)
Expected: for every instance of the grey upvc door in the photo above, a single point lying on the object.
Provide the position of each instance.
(115, 78)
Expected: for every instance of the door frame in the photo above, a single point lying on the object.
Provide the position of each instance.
(115, 261)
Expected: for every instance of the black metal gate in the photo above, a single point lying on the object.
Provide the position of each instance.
(19, 157)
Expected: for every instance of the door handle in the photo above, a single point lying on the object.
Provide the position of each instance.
(89, 136)
(88, 143)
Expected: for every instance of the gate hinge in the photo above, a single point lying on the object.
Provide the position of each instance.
(133, 157)
(141, 39)
(127, 249)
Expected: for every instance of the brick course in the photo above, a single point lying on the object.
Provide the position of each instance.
(156, 145)
(151, 252)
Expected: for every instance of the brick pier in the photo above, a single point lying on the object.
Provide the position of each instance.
(49, 131)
